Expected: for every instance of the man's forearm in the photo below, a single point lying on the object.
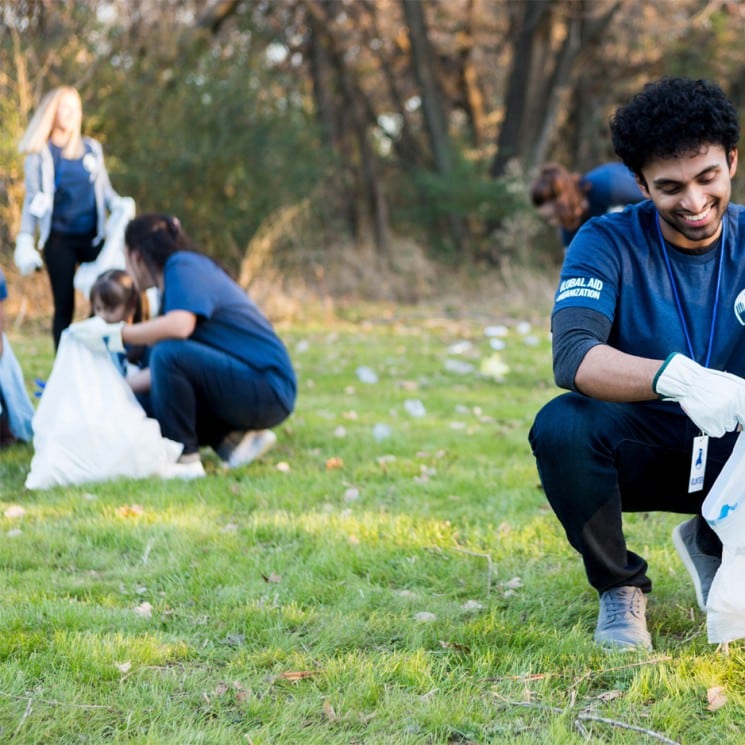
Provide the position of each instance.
(610, 375)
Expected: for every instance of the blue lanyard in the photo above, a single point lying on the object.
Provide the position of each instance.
(676, 294)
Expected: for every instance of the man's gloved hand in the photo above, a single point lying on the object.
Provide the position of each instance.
(713, 400)
(98, 335)
(26, 257)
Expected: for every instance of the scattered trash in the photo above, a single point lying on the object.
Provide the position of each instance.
(497, 344)
(460, 347)
(414, 407)
(496, 330)
(381, 432)
(425, 617)
(494, 368)
(15, 511)
(367, 375)
(459, 367)
(340, 432)
(523, 328)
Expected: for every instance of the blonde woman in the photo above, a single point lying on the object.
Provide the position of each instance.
(67, 194)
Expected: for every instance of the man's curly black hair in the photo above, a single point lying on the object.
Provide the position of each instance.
(672, 117)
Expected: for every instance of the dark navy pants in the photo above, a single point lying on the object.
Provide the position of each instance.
(199, 394)
(598, 459)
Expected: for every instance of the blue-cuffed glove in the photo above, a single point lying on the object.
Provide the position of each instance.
(713, 400)
(98, 335)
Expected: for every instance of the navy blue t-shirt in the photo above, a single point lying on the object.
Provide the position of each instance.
(616, 266)
(3, 287)
(74, 196)
(608, 187)
(227, 319)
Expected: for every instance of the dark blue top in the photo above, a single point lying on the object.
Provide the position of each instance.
(3, 286)
(227, 319)
(74, 197)
(616, 266)
(611, 187)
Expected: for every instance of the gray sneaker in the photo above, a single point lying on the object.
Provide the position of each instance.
(241, 448)
(622, 620)
(702, 567)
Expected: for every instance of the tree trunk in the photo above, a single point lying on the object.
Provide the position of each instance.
(435, 119)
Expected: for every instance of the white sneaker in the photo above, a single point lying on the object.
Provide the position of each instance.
(252, 445)
(187, 467)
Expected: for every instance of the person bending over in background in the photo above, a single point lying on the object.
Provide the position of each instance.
(16, 410)
(568, 200)
(647, 316)
(219, 374)
(67, 194)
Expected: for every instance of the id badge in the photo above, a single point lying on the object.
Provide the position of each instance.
(40, 204)
(698, 463)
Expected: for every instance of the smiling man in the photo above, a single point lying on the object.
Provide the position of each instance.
(649, 337)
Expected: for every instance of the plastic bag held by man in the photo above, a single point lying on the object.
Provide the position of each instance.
(724, 510)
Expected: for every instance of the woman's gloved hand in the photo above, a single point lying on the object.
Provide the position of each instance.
(98, 335)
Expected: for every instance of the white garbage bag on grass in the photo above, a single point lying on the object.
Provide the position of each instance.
(111, 255)
(90, 427)
(724, 510)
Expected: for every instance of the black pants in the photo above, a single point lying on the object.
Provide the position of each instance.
(63, 252)
(597, 460)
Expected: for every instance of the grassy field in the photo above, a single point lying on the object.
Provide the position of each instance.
(389, 573)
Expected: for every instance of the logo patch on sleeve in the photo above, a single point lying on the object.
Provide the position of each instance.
(589, 287)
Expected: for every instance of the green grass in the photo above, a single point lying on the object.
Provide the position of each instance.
(286, 604)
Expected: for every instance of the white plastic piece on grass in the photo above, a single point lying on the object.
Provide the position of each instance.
(414, 407)
(367, 375)
(459, 367)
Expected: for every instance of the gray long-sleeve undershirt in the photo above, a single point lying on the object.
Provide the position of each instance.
(574, 332)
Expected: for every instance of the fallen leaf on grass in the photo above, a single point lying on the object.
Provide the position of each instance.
(15, 510)
(328, 710)
(455, 646)
(123, 667)
(130, 510)
(296, 675)
(271, 578)
(716, 697)
(334, 463)
(609, 695)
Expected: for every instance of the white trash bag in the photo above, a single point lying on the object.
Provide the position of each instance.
(90, 427)
(724, 510)
(111, 255)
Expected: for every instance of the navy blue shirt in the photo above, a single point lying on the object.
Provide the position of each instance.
(74, 197)
(616, 266)
(227, 319)
(608, 187)
(3, 287)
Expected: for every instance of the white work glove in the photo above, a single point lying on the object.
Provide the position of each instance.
(98, 335)
(26, 257)
(713, 400)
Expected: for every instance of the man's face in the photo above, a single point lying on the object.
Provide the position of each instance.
(691, 193)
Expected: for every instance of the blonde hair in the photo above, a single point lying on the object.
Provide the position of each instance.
(40, 127)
